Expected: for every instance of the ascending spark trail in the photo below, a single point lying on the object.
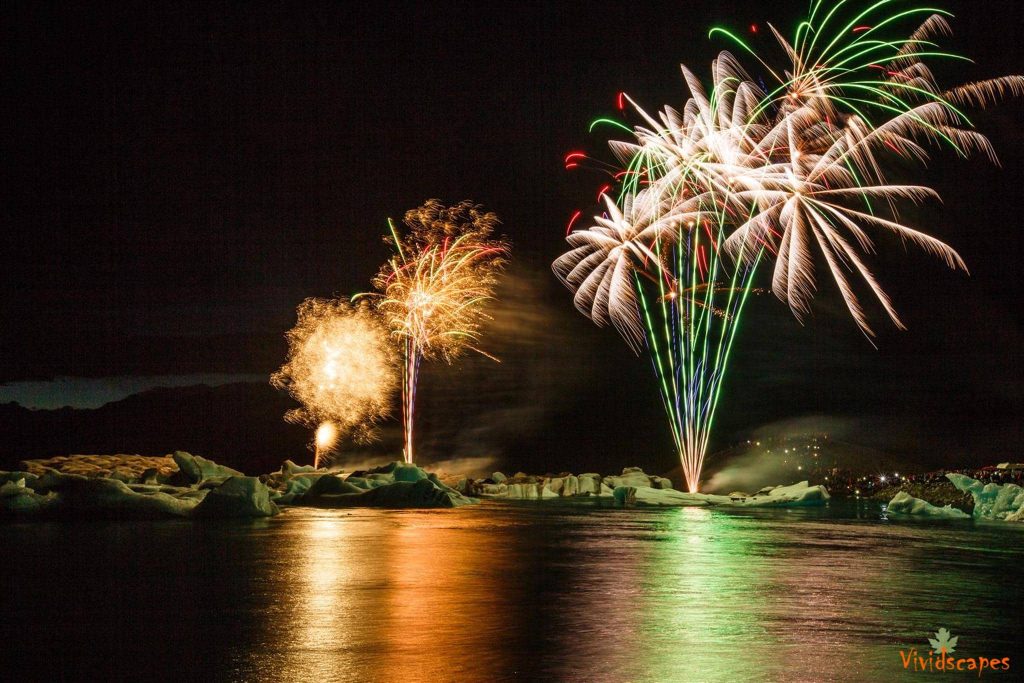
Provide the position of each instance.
(432, 291)
(326, 437)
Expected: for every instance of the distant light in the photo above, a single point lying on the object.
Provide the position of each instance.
(882, 477)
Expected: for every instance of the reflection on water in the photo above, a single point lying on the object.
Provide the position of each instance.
(502, 592)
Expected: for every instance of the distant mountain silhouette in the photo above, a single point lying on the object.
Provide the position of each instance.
(239, 425)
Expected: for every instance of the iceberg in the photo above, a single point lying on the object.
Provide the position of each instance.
(905, 504)
(290, 468)
(198, 469)
(801, 493)
(394, 485)
(103, 496)
(400, 494)
(17, 499)
(110, 493)
(590, 485)
(565, 485)
(647, 496)
(634, 476)
(331, 484)
(992, 501)
(794, 495)
(635, 487)
(237, 497)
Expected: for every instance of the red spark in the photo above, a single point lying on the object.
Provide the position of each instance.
(572, 220)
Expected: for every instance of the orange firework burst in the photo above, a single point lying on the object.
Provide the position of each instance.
(431, 292)
(341, 368)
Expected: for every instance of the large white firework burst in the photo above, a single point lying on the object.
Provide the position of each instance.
(797, 170)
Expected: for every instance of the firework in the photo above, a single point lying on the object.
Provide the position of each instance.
(747, 174)
(341, 368)
(432, 291)
(324, 440)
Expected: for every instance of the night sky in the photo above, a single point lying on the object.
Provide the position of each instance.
(177, 178)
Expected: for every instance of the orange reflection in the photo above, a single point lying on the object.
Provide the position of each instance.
(391, 592)
(440, 571)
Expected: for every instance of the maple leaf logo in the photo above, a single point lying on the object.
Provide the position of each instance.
(943, 642)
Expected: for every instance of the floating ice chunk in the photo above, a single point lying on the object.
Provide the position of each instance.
(238, 497)
(564, 486)
(294, 488)
(526, 487)
(801, 493)
(906, 504)
(98, 495)
(528, 491)
(631, 476)
(197, 468)
(992, 501)
(794, 495)
(400, 494)
(72, 494)
(331, 484)
(647, 496)
(16, 499)
(12, 487)
(26, 478)
(590, 484)
(289, 468)
(394, 485)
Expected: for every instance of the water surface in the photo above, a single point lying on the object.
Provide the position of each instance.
(509, 592)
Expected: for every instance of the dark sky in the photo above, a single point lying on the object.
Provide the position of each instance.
(176, 178)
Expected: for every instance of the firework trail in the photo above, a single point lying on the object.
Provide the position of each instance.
(747, 174)
(324, 440)
(432, 291)
(341, 368)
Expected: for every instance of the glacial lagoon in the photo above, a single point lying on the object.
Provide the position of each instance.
(499, 591)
